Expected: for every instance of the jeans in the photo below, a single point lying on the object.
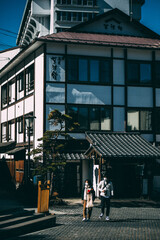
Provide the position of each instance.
(105, 202)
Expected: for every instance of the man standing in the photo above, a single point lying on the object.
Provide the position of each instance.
(106, 191)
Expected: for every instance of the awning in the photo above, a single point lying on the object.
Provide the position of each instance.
(15, 150)
(6, 146)
(120, 145)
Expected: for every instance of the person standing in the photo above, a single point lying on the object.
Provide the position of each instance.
(106, 191)
(88, 197)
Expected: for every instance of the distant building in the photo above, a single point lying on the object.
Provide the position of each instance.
(105, 73)
(51, 16)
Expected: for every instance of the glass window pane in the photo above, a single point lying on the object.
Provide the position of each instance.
(83, 70)
(146, 120)
(132, 120)
(94, 119)
(83, 118)
(4, 96)
(55, 93)
(132, 72)
(157, 121)
(105, 70)
(73, 112)
(157, 72)
(49, 108)
(145, 73)
(105, 119)
(72, 69)
(94, 71)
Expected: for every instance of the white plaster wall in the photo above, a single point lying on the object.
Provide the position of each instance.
(118, 96)
(118, 72)
(118, 52)
(39, 95)
(19, 109)
(29, 105)
(136, 54)
(157, 97)
(140, 97)
(89, 50)
(3, 115)
(86, 94)
(11, 113)
(55, 48)
(119, 119)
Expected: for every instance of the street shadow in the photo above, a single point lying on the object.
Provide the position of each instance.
(135, 204)
(124, 220)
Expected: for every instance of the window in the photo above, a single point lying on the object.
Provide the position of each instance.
(91, 118)
(4, 95)
(20, 125)
(11, 131)
(58, 16)
(89, 70)
(11, 91)
(157, 122)
(157, 73)
(4, 132)
(139, 73)
(20, 82)
(74, 16)
(139, 120)
(30, 78)
(64, 16)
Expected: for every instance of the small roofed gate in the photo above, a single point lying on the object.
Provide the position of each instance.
(127, 159)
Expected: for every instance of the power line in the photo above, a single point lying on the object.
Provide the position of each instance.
(3, 29)
(2, 44)
(8, 35)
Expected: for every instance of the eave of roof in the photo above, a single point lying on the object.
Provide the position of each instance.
(102, 39)
(122, 145)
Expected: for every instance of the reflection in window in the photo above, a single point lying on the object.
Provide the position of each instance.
(145, 73)
(105, 119)
(4, 95)
(139, 72)
(94, 119)
(146, 120)
(89, 118)
(49, 108)
(83, 70)
(133, 120)
(72, 69)
(105, 70)
(139, 120)
(83, 118)
(94, 71)
(132, 72)
(55, 93)
(157, 73)
(4, 132)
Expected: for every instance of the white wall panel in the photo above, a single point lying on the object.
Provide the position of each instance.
(55, 48)
(39, 96)
(19, 109)
(118, 53)
(118, 119)
(29, 105)
(148, 137)
(157, 97)
(140, 97)
(11, 113)
(4, 115)
(118, 96)
(136, 54)
(86, 94)
(118, 72)
(89, 51)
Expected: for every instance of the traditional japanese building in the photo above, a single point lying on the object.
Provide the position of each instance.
(105, 73)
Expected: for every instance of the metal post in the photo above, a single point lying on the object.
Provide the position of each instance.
(29, 149)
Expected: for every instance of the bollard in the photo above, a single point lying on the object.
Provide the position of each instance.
(43, 197)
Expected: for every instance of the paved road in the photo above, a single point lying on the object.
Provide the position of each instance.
(129, 220)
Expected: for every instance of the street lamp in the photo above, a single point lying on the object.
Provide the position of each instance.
(29, 118)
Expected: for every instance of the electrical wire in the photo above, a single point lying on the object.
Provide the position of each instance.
(3, 29)
(7, 35)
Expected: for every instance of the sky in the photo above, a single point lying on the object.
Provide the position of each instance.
(11, 12)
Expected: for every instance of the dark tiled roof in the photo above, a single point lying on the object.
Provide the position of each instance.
(102, 39)
(15, 150)
(122, 145)
(72, 156)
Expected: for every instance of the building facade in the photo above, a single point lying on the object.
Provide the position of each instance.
(105, 73)
(51, 16)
